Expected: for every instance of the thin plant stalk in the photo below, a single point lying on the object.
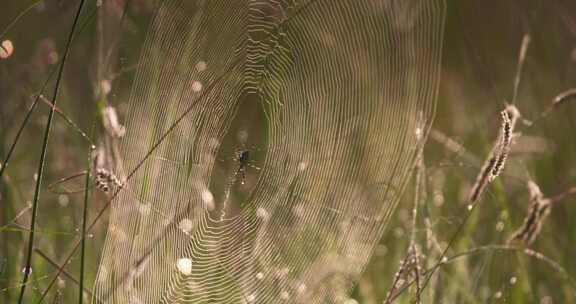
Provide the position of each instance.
(520, 65)
(4, 164)
(445, 251)
(65, 273)
(84, 219)
(67, 119)
(41, 164)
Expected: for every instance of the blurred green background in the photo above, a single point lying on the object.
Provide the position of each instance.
(482, 43)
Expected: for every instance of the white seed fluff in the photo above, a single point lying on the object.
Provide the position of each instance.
(185, 225)
(196, 86)
(184, 265)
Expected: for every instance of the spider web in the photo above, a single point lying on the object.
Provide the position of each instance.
(332, 99)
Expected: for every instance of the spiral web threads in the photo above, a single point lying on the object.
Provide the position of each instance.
(333, 99)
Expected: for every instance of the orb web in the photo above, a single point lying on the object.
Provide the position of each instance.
(270, 142)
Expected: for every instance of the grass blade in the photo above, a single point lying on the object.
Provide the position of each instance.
(84, 218)
(41, 164)
(6, 161)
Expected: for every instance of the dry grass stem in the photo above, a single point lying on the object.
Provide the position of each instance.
(521, 59)
(559, 100)
(409, 271)
(564, 97)
(539, 210)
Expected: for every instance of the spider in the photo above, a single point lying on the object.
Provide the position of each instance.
(244, 161)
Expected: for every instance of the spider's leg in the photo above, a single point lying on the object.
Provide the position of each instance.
(254, 167)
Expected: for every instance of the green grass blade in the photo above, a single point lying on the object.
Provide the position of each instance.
(84, 218)
(6, 161)
(41, 164)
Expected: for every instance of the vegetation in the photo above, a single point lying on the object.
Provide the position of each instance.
(486, 217)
